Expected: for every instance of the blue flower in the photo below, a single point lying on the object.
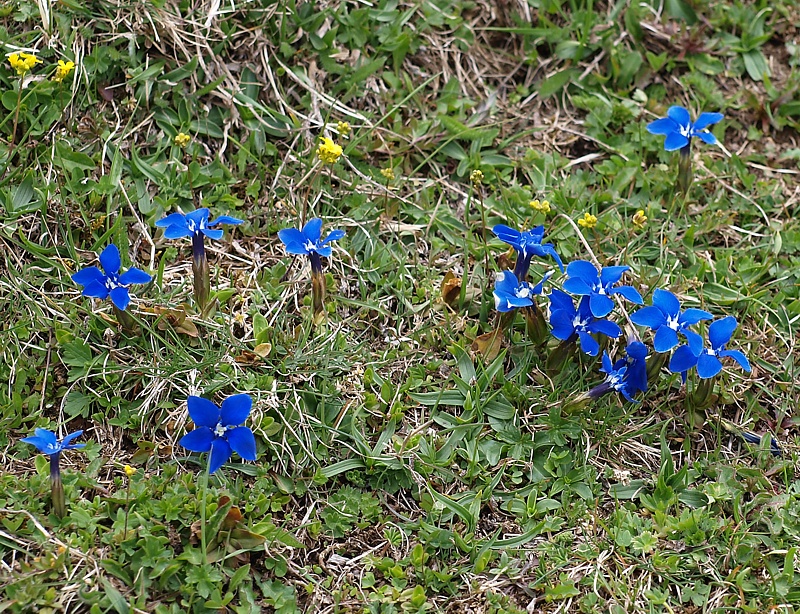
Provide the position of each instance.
(47, 442)
(664, 317)
(196, 223)
(528, 244)
(108, 282)
(679, 128)
(219, 431)
(774, 448)
(567, 322)
(585, 281)
(627, 375)
(708, 362)
(307, 242)
(510, 293)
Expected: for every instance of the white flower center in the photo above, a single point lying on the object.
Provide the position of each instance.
(686, 130)
(219, 430)
(310, 246)
(599, 289)
(672, 322)
(523, 292)
(191, 225)
(711, 352)
(112, 281)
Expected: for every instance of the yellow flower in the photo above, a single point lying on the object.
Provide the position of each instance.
(63, 69)
(476, 177)
(182, 139)
(543, 207)
(588, 221)
(343, 128)
(328, 151)
(639, 219)
(388, 172)
(129, 471)
(23, 62)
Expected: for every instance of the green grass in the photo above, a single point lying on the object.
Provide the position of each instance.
(398, 470)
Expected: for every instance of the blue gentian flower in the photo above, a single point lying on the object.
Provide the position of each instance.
(568, 323)
(627, 375)
(109, 282)
(196, 223)
(665, 318)
(585, 281)
(219, 431)
(679, 128)
(708, 362)
(528, 244)
(309, 242)
(774, 448)
(510, 293)
(47, 442)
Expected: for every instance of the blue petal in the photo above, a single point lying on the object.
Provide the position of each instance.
(177, 231)
(667, 302)
(48, 436)
(612, 274)
(561, 321)
(636, 350)
(583, 269)
(720, 331)
(501, 303)
(96, 289)
(662, 126)
(695, 341)
(693, 316)
(325, 251)
(120, 297)
(706, 119)
(85, 276)
(607, 367)
(41, 444)
(707, 137)
(198, 440)
(225, 219)
(549, 249)
(576, 285)
(649, 316)
(292, 236)
(508, 235)
(675, 141)
(738, 357)
(220, 453)
(629, 292)
(134, 276)
(665, 339)
(600, 305)
(313, 230)
(243, 442)
(561, 300)
(708, 365)
(537, 289)
(682, 360)
(605, 327)
(334, 235)
(679, 115)
(110, 260)
(506, 283)
(203, 412)
(213, 233)
(199, 217)
(235, 409)
(173, 219)
(588, 344)
(65, 443)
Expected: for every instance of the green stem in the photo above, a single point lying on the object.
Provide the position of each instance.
(203, 496)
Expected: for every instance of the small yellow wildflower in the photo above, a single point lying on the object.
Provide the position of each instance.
(588, 221)
(63, 69)
(182, 139)
(129, 471)
(388, 172)
(476, 177)
(328, 151)
(343, 128)
(23, 62)
(542, 207)
(639, 219)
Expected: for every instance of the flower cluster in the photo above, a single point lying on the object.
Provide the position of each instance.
(63, 70)
(328, 151)
(23, 62)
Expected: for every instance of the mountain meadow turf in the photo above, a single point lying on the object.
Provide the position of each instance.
(410, 457)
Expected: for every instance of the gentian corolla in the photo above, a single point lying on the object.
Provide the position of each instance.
(679, 128)
(585, 281)
(47, 443)
(708, 362)
(627, 375)
(528, 244)
(219, 429)
(510, 293)
(665, 318)
(569, 323)
(109, 282)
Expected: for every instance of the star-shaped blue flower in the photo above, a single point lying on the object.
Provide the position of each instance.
(219, 429)
(567, 322)
(708, 362)
(679, 128)
(47, 442)
(665, 318)
(585, 281)
(510, 293)
(307, 241)
(108, 282)
(527, 243)
(178, 225)
(627, 375)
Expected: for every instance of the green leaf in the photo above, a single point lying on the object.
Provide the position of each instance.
(115, 597)
(756, 64)
(554, 84)
(22, 197)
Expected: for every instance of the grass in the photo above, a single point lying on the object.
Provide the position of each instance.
(398, 470)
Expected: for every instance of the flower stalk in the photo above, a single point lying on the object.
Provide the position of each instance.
(57, 486)
(201, 273)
